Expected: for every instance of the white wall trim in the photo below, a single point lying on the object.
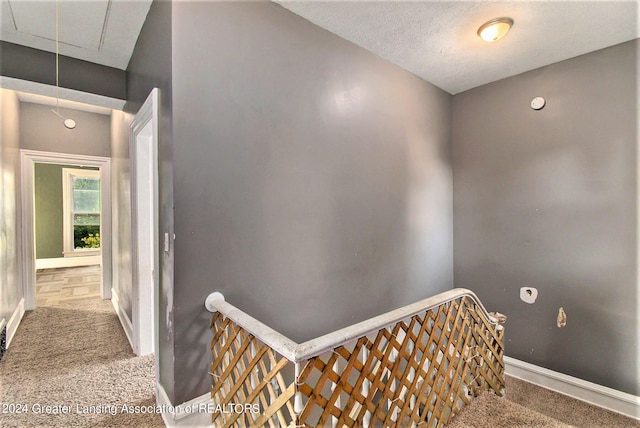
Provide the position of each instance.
(592, 393)
(188, 414)
(144, 246)
(14, 321)
(28, 159)
(64, 93)
(122, 315)
(61, 262)
(637, 203)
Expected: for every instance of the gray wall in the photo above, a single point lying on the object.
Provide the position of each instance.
(40, 129)
(547, 199)
(35, 65)
(149, 67)
(10, 267)
(121, 209)
(312, 178)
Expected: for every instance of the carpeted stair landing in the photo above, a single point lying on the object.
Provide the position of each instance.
(530, 406)
(490, 411)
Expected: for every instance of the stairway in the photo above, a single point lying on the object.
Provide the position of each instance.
(409, 364)
(491, 411)
(528, 405)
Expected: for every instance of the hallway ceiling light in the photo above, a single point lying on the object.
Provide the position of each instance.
(68, 123)
(495, 29)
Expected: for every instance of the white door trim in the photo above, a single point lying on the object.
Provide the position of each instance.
(145, 341)
(28, 159)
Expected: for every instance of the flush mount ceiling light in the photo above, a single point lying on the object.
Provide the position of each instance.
(495, 29)
(68, 123)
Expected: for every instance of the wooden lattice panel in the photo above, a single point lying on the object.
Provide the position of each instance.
(420, 371)
(249, 387)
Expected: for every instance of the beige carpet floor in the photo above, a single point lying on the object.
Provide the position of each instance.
(527, 405)
(491, 411)
(75, 358)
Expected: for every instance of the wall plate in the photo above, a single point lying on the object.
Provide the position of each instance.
(528, 294)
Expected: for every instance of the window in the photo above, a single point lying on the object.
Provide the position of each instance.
(81, 195)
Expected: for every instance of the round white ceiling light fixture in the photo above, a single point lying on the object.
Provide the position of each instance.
(495, 29)
(70, 123)
(538, 103)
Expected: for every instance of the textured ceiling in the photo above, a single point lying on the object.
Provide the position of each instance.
(437, 40)
(100, 31)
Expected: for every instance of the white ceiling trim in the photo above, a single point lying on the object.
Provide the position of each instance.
(27, 97)
(64, 93)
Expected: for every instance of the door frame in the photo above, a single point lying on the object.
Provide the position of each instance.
(28, 159)
(142, 343)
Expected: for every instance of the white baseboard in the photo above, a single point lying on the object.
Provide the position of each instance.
(127, 326)
(193, 413)
(60, 262)
(592, 393)
(14, 321)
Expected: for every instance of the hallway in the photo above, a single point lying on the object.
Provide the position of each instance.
(60, 285)
(71, 365)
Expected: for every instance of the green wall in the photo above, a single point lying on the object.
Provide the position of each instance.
(48, 201)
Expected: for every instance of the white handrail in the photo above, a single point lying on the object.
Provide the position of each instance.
(299, 352)
(277, 341)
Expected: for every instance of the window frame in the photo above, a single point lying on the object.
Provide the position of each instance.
(68, 174)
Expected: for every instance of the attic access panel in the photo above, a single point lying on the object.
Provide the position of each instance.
(81, 23)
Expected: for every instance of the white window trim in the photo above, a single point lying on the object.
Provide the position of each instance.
(67, 208)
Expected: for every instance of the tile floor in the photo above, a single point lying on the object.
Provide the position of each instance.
(55, 286)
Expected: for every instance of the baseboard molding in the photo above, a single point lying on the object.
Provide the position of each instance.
(592, 393)
(61, 262)
(193, 413)
(127, 326)
(14, 321)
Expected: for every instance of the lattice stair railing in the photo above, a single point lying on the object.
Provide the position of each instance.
(415, 366)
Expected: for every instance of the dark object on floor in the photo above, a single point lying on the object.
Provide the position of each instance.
(3, 340)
